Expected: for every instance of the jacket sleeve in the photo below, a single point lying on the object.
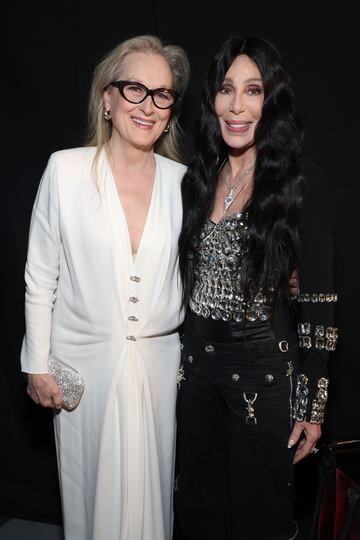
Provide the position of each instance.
(316, 301)
(41, 273)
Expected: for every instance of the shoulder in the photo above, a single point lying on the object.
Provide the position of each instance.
(170, 166)
(81, 156)
(72, 166)
(70, 170)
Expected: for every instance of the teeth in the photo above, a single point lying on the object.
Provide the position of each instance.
(142, 122)
(238, 125)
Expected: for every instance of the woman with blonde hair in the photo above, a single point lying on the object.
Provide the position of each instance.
(103, 295)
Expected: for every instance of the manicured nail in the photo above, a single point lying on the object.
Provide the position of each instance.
(291, 443)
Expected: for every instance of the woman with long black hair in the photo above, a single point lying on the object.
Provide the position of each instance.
(252, 383)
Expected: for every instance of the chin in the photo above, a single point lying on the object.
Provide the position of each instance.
(240, 145)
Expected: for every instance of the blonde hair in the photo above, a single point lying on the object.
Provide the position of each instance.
(99, 129)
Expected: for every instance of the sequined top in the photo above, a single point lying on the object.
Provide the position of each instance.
(218, 289)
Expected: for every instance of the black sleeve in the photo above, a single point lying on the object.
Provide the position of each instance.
(316, 301)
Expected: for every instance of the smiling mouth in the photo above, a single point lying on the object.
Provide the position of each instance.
(140, 122)
(238, 125)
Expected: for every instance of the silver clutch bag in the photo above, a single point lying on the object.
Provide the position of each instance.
(69, 380)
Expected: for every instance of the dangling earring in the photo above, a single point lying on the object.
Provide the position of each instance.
(107, 114)
(167, 129)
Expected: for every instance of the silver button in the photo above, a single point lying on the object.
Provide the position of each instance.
(132, 318)
(269, 377)
(190, 359)
(135, 278)
(235, 377)
(209, 348)
(133, 299)
(131, 338)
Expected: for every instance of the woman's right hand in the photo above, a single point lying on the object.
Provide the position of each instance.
(44, 390)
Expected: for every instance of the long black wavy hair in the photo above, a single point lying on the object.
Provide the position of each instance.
(278, 192)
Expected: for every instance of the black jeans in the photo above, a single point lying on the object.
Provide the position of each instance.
(234, 472)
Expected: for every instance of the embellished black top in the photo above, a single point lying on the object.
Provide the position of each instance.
(218, 291)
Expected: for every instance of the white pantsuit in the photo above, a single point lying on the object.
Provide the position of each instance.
(114, 318)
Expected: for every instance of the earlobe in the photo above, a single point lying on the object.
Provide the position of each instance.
(106, 99)
(106, 106)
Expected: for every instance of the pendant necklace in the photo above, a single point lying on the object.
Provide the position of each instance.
(231, 195)
(232, 192)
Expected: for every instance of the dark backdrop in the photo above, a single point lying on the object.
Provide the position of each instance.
(48, 55)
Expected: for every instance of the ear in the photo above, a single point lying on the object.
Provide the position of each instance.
(107, 98)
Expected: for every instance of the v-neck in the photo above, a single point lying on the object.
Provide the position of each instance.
(133, 256)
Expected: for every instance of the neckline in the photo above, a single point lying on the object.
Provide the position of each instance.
(230, 216)
(134, 255)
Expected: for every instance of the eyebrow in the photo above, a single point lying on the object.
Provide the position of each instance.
(133, 80)
(252, 79)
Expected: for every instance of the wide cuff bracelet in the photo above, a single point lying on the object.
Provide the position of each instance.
(302, 400)
(317, 297)
(318, 404)
(321, 338)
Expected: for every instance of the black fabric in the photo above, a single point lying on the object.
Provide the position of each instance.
(234, 479)
(230, 331)
(234, 474)
(316, 273)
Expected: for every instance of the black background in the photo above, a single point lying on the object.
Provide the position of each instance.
(48, 56)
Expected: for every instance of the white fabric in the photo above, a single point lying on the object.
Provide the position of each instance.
(116, 450)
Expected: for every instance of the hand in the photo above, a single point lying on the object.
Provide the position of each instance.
(43, 389)
(294, 284)
(311, 434)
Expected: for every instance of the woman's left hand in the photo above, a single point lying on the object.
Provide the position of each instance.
(294, 284)
(306, 444)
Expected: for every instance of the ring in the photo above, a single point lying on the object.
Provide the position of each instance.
(314, 450)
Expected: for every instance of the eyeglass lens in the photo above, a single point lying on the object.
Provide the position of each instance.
(136, 93)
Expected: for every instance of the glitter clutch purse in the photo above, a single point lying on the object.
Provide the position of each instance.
(69, 380)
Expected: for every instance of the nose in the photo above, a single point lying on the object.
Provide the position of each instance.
(147, 106)
(237, 104)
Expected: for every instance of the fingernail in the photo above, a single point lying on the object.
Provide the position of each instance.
(291, 443)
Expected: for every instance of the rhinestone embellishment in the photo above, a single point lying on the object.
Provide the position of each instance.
(217, 290)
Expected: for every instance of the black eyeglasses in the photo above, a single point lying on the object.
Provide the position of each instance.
(135, 92)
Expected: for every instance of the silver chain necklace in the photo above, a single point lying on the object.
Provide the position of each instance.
(232, 192)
